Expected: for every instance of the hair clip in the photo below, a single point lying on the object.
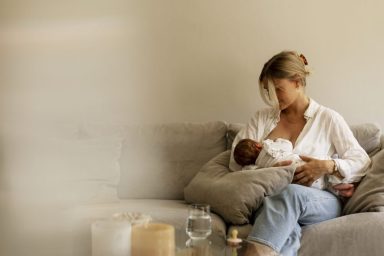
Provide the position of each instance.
(303, 59)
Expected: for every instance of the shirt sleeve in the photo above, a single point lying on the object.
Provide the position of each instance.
(250, 131)
(353, 160)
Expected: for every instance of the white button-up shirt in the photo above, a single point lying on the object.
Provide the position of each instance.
(325, 134)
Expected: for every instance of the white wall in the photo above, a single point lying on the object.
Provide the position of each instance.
(160, 61)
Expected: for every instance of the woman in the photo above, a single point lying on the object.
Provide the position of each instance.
(316, 133)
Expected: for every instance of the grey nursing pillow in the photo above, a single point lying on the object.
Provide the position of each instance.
(235, 195)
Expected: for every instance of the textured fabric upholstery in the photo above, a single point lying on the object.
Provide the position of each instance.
(369, 195)
(352, 235)
(368, 135)
(158, 161)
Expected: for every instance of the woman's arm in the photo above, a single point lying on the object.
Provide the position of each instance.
(348, 168)
(353, 160)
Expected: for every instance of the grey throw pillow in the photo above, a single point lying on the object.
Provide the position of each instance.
(368, 136)
(235, 195)
(369, 195)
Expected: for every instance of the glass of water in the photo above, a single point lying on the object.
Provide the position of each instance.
(199, 221)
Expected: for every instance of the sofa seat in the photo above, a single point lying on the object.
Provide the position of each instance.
(360, 232)
(173, 212)
(355, 233)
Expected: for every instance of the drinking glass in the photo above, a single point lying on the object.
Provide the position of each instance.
(199, 221)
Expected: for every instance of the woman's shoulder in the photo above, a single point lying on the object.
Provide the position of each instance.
(327, 113)
(329, 117)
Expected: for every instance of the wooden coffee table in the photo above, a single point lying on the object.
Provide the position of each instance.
(214, 245)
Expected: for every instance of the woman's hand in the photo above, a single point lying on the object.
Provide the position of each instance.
(345, 189)
(313, 169)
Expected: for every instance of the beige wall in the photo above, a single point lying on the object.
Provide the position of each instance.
(116, 61)
(179, 60)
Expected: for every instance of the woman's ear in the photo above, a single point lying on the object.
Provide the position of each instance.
(296, 79)
(297, 84)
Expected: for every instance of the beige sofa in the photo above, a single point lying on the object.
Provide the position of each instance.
(151, 164)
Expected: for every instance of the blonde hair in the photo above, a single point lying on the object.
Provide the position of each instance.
(285, 65)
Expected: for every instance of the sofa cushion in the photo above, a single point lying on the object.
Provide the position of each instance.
(158, 161)
(235, 195)
(352, 235)
(326, 238)
(233, 129)
(91, 169)
(369, 195)
(368, 135)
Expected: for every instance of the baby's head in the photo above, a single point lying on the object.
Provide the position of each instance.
(246, 152)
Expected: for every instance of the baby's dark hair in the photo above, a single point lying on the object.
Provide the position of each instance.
(245, 153)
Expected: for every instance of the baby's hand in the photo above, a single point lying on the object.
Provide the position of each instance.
(345, 189)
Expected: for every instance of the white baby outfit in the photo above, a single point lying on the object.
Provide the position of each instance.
(278, 150)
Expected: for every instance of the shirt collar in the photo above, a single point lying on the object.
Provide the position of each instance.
(312, 109)
(308, 114)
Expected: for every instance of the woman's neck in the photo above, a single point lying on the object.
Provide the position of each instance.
(297, 109)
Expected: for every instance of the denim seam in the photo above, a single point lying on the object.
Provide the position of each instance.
(321, 199)
(314, 200)
(264, 242)
(308, 201)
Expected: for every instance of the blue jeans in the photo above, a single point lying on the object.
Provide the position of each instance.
(278, 222)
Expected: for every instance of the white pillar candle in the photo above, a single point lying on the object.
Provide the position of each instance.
(153, 239)
(111, 238)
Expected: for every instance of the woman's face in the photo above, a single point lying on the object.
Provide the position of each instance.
(287, 92)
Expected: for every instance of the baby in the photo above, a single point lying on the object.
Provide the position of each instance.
(253, 155)
(256, 155)
(247, 151)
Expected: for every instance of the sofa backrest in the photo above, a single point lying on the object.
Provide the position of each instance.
(158, 161)
(104, 163)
